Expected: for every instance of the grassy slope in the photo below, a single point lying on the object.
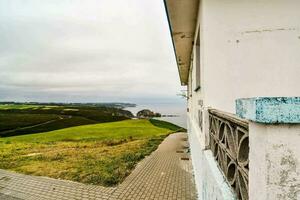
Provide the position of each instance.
(54, 125)
(19, 116)
(168, 125)
(12, 121)
(98, 154)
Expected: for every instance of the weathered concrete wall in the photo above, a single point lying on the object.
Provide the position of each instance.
(214, 185)
(249, 49)
(210, 182)
(195, 97)
(274, 161)
(196, 153)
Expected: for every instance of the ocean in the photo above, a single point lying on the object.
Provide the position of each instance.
(178, 109)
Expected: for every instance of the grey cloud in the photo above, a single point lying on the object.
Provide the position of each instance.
(94, 49)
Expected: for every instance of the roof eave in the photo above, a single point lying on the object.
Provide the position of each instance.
(182, 18)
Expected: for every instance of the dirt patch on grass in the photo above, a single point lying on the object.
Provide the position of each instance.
(33, 154)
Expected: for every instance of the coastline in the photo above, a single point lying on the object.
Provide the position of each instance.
(171, 112)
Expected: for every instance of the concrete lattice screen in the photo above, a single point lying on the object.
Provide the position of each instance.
(229, 142)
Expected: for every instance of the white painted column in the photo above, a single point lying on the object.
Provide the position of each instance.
(274, 141)
(274, 161)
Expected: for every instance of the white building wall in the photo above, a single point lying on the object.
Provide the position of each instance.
(210, 182)
(249, 48)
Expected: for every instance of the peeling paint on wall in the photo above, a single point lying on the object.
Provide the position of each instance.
(286, 178)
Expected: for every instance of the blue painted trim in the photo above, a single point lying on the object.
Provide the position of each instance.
(270, 110)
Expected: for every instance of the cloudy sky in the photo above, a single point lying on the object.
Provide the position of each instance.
(86, 51)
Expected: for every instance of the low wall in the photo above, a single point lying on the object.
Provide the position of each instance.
(209, 180)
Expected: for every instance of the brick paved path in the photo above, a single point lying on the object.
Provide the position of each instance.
(162, 175)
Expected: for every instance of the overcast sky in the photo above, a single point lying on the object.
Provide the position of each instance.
(86, 51)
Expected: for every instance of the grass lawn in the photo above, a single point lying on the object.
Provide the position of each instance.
(13, 106)
(102, 154)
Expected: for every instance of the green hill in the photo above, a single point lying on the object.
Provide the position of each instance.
(102, 153)
(19, 119)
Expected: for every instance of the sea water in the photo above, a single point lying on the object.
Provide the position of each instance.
(176, 109)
